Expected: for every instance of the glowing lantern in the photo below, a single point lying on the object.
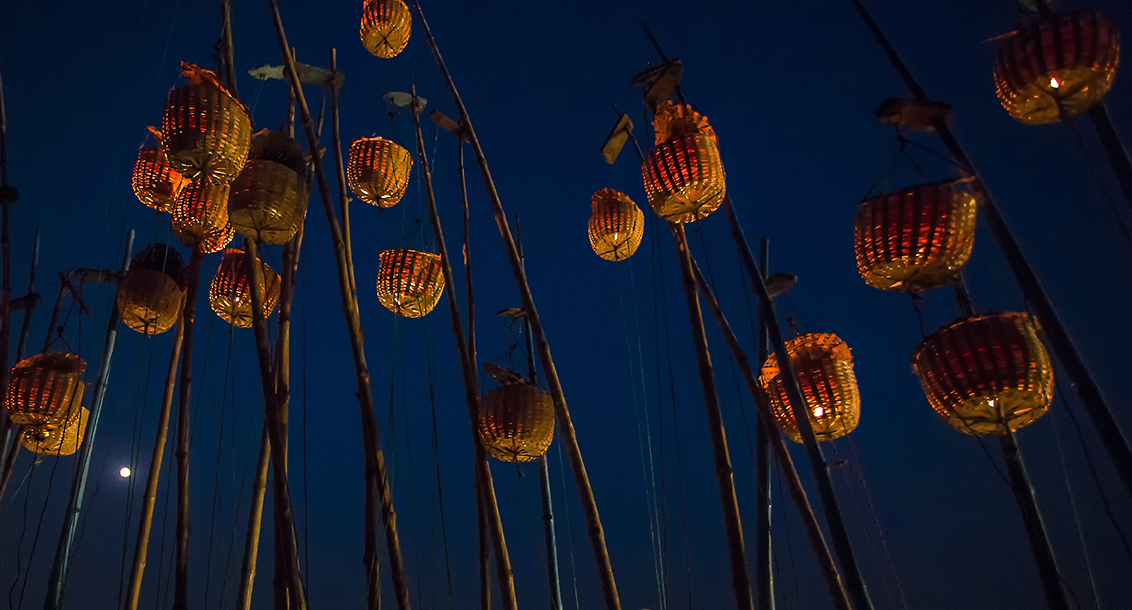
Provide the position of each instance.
(915, 239)
(684, 178)
(409, 282)
(155, 182)
(986, 374)
(200, 216)
(616, 225)
(265, 202)
(230, 293)
(1056, 68)
(516, 423)
(824, 367)
(378, 171)
(60, 440)
(675, 120)
(205, 132)
(150, 297)
(386, 27)
(44, 389)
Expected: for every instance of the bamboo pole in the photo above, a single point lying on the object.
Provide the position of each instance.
(149, 500)
(8, 196)
(340, 164)
(255, 523)
(57, 582)
(25, 329)
(377, 484)
(566, 426)
(1093, 400)
(184, 409)
(9, 447)
(1114, 149)
(229, 52)
(471, 392)
(764, 578)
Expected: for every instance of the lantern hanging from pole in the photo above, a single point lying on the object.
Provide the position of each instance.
(378, 171)
(155, 182)
(60, 440)
(1056, 68)
(986, 375)
(516, 422)
(616, 225)
(265, 202)
(200, 217)
(44, 388)
(150, 296)
(230, 293)
(915, 239)
(205, 131)
(674, 120)
(409, 282)
(684, 178)
(823, 365)
(386, 27)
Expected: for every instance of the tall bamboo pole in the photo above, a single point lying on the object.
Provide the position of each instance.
(377, 484)
(343, 202)
(8, 196)
(471, 392)
(1105, 423)
(57, 582)
(566, 426)
(764, 577)
(9, 447)
(184, 410)
(25, 328)
(229, 51)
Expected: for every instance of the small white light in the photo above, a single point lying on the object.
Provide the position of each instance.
(1053, 83)
(819, 411)
(124, 472)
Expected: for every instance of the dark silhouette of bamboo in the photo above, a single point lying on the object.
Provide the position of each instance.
(255, 523)
(9, 447)
(764, 559)
(471, 392)
(25, 329)
(5, 289)
(377, 484)
(1096, 406)
(229, 51)
(1114, 149)
(343, 202)
(566, 426)
(181, 552)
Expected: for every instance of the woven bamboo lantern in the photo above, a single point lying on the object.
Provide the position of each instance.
(200, 216)
(916, 239)
(516, 423)
(230, 293)
(265, 203)
(205, 131)
(44, 388)
(386, 27)
(684, 178)
(824, 367)
(378, 171)
(150, 297)
(155, 182)
(616, 225)
(61, 440)
(1056, 68)
(986, 374)
(409, 282)
(674, 120)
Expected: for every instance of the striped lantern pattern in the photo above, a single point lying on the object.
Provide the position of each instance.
(44, 388)
(516, 423)
(684, 178)
(409, 282)
(206, 133)
(150, 296)
(386, 27)
(378, 171)
(987, 374)
(916, 239)
(155, 182)
(1057, 68)
(823, 365)
(230, 295)
(60, 440)
(200, 217)
(616, 225)
(674, 120)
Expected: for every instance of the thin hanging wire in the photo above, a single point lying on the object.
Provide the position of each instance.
(569, 526)
(430, 358)
(218, 437)
(789, 543)
(841, 465)
(1076, 515)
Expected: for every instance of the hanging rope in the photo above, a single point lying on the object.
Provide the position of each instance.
(218, 437)
(569, 526)
(841, 466)
(1076, 516)
(855, 464)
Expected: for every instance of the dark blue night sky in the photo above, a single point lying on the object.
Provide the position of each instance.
(790, 87)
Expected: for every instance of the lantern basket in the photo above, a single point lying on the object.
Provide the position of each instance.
(915, 239)
(684, 178)
(150, 296)
(386, 27)
(516, 423)
(62, 440)
(44, 388)
(230, 293)
(378, 171)
(675, 120)
(205, 131)
(616, 225)
(264, 203)
(409, 282)
(200, 217)
(155, 182)
(1057, 68)
(987, 374)
(824, 367)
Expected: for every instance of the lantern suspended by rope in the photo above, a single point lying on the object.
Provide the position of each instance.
(1056, 68)
(684, 178)
(230, 293)
(987, 374)
(378, 171)
(150, 297)
(64, 439)
(516, 422)
(265, 202)
(916, 239)
(674, 120)
(200, 217)
(44, 388)
(616, 225)
(409, 282)
(824, 367)
(205, 131)
(386, 27)
(155, 182)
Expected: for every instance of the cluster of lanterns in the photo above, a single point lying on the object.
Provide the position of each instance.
(44, 397)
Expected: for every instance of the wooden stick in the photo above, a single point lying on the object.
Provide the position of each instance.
(32, 300)
(764, 575)
(229, 52)
(340, 164)
(377, 484)
(255, 523)
(184, 410)
(471, 392)
(9, 446)
(566, 426)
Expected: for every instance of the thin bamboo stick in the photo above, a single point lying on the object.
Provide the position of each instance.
(5, 289)
(9, 447)
(181, 552)
(229, 52)
(25, 329)
(255, 523)
(343, 202)
(764, 564)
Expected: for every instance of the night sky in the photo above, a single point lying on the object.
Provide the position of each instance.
(790, 88)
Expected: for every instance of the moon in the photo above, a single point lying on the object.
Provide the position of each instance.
(124, 472)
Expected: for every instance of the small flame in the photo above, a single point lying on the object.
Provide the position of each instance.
(1053, 83)
(819, 411)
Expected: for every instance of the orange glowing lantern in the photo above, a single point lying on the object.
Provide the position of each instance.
(230, 293)
(386, 27)
(200, 217)
(674, 120)
(44, 388)
(150, 296)
(516, 423)
(616, 225)
(60, 440)
(684, 178)
(378, 171)
(409, 282)
(266, 199)
(155, 182)
(205, 131)
(823, 365)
